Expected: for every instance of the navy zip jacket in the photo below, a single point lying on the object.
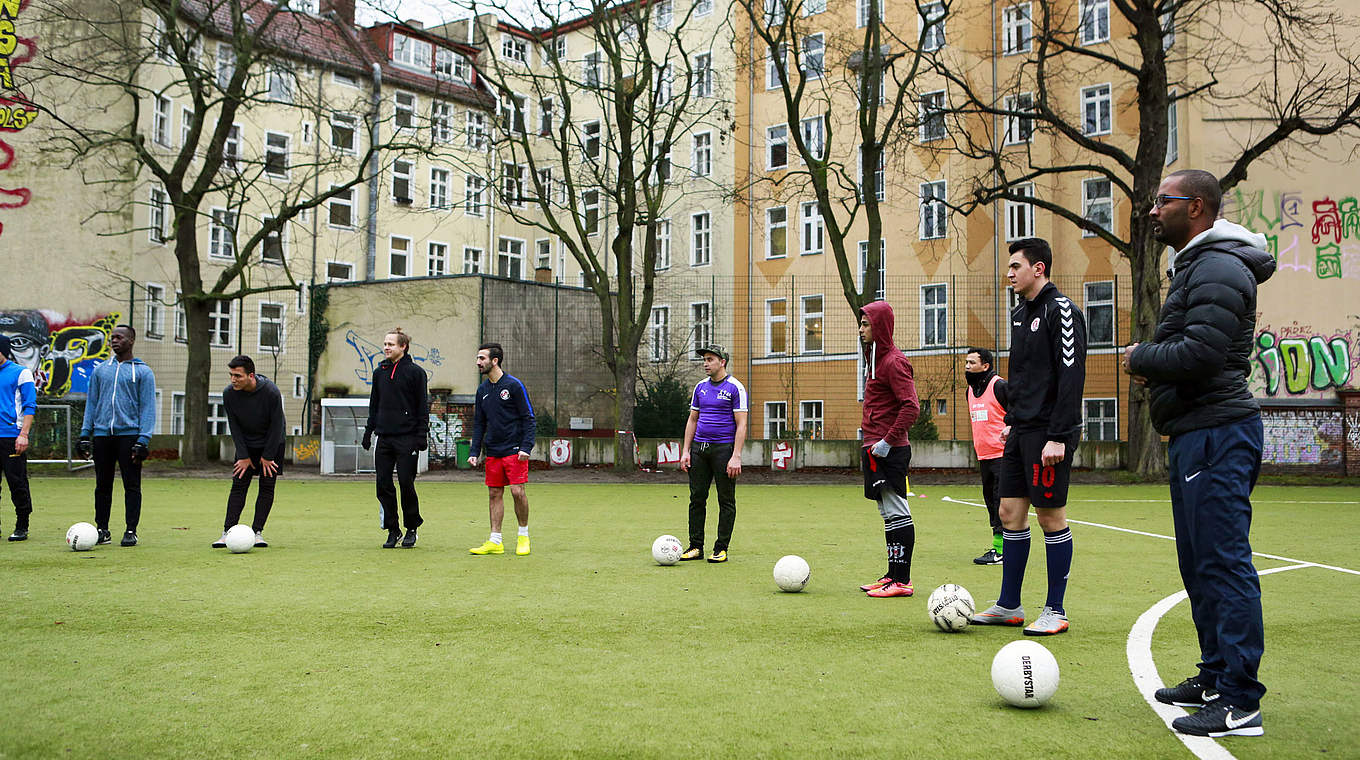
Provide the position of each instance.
(399, 404)
(1048, 366)
(504, 418)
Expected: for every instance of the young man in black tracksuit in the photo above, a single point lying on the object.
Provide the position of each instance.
(1043, 427)
(255, 417)
(1196, 368)
(399, 413)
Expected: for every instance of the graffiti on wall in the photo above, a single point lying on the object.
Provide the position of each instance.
(369, 355)
(1320, 235)
(16, 111)
(61, 351)
(445, 431)
(1313, 437)
(1298, 360)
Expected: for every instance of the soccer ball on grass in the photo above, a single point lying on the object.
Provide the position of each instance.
(666, 550)
(240, 539)
(951, 607)
(82, 537)
(1025, 674)
(791, 573)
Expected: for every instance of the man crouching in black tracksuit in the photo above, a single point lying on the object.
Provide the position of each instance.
(398, 412)
(255, 417)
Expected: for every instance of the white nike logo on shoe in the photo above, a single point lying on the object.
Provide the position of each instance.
(1189, 478)
(1239, 722)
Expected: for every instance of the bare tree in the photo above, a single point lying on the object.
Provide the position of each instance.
(1303, 84)
(596, 170)
(846, 94)
(125, 59)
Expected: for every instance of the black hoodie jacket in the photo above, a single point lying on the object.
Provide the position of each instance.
(1048, 366)
(398, 404)
(1198, 361)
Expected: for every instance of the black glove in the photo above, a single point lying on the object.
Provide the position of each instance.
(140, 452)
(85, 447)
(424, 443)
(368, 439)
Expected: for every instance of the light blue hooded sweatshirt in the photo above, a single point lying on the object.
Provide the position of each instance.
(121, 400)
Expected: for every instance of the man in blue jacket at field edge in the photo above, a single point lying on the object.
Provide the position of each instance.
(18, 404)
(120, 415)
(503, 422)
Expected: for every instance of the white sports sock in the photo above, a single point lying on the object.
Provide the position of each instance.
(495, 538)
(524, 530)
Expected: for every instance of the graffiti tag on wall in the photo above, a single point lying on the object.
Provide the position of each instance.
(445, 430)
(61, 351)
(1303, 437)
(1325, 243)
(1305, 362)
(369, 355)
(16, 111)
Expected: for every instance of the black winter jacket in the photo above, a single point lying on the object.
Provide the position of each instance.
(1198, 362)
(399, 404)
(1048, 366)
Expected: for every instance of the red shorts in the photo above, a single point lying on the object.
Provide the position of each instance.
(506, 471)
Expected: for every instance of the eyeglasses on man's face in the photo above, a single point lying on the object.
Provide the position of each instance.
(1161, 200)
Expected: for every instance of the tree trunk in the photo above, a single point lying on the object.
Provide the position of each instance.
(197, 376)
(1145, 450)
(625, 402)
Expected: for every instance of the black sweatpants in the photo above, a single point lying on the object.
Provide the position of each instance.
(991, 491)
(403, 454)
(264, 498)
(708, 462)
(16, 474)
(111, 451)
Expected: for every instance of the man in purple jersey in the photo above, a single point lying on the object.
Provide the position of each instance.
(715, 433)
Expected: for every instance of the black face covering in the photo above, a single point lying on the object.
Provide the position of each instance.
(978, 380)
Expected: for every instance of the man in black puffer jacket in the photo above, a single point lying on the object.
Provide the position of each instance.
(1196, 371)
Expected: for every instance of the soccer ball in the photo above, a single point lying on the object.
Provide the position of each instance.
(951, 607)
(240, 539)
(666, 550)
(82, 537)
(791, 573)
(1025, 674)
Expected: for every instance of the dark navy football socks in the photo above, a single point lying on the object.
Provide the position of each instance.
(1058, 547)
(1014, 557)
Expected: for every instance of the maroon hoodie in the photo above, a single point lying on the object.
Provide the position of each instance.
(890, 403)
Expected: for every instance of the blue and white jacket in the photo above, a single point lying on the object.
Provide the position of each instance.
(121, 400)
(18, 398)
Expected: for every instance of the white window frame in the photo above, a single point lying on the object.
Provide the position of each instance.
(659, 334)
(805, 320)
(226, 65)
(1095, 21)
(700, 326)
(776, 140)
(814, 135)
(775, 61)
(176, 413)
(181, 325)
(436, 258)
(701, 239)
(813, 63)
(412, 52)
(933, 126)
(221, 234)
(299, 386)
(934, 210)
(776, 419)
(403, 174)
(1086, 419)
(592, 137)
(395, 252)
(862, 13)
(405, 105)
(440, 179)
(781, 320)
(155, 215)
(881, 291)
(782, 226)
(543, 250)
(345, 200)
(663, 244)
(474, 260)
(273, 150)
(1173, 131)
(702, 73)
(345, 122)
(154, 306)
(441, 121)
(261, 322)
(475, 129)
(1019, 129)
(474, 186)
(1017, 29)
(162, 116)
(1098, 310)
(514, 49)
(221, 322)
(701, 155)
(331, 275)
(231, 148)
(812, 241)
(932, 313)
(933, 38)
(1020, 215)
(280, 237)
(510, 252)
(811, 414)
(218, 424)
(282, 84)
(590, 211)
(1096, 115)
(1091, 202)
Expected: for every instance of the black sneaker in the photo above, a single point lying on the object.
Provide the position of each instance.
(129, 538)
(1220, 719)
(393, 536)
(990, 558)
(19, 534)
(1188, 693)
(105, 537)
(410, 540)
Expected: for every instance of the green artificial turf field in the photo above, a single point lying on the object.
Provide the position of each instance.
(325, 645)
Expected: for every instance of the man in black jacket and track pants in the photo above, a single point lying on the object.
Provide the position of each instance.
(1195, 369)
(399, 413)
(255, 418)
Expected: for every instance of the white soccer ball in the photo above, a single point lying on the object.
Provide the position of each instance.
(791, 573)
(240, 539)
(1025, 674)
(666, 550)
(82, 537)
(951, 607)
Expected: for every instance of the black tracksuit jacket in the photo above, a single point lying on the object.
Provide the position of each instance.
(1047, 370)
(399, 403)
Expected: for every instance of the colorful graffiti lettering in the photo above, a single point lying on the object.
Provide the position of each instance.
(1315, 362)
(16, 112)
(370, 355)
(61, 351)
(445, 430)
(1335, 232)
(308, 450)
(1303, 437)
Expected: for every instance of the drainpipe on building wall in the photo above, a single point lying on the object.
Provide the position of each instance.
(374, 164)
(750, 200)
(997, 221)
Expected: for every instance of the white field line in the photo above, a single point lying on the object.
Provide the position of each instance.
(1138, 649)
(1263, 555)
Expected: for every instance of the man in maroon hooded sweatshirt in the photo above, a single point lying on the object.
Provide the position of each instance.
(890, 408)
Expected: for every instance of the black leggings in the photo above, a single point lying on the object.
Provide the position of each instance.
(111, 451)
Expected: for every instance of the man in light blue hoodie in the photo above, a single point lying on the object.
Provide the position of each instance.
(120, 415)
